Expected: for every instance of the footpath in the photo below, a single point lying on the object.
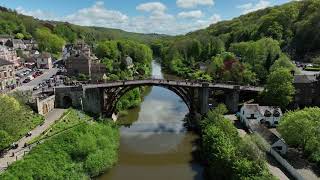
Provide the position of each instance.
(18, 153)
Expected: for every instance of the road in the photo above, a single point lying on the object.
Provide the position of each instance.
(8, 159)
(46, 75)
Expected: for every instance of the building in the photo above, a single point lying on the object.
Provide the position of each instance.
(128, 61)
(82, 64)
(10, 55)
(44, 61)
(7, 74)
(78, 64)
(276, 142)
(268, 115)
(307, 90)
(31, 44)
(5, 40)
(18, 44)
(253, 116)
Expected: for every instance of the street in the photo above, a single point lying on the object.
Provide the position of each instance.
(46, 75)
(18, 153)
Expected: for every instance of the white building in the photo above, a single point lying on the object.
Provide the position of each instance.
(261, 114)
(44, 61)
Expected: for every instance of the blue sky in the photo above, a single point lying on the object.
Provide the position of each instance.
(145, 16)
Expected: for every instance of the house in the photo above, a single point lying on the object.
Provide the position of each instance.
(31, 44)
(5, 40)
(261, 114)
(276, 142)
(82, 64)
(78, 64)
(271, 115)
(307, 90)
(10, 55)
(44, 61)
(18, 44)
(250, 116)
(253, 115)
(7, 74)
(128, 61)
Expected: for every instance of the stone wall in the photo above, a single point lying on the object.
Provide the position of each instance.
(44, 106)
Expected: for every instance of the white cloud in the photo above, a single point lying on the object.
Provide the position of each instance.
(250, 7)
(152, 7)
(36, 13)
(194, 3)
(157, 21)
(190, 14)
(97, 15)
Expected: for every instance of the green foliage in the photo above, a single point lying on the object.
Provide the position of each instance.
(316, 61)
(279, 89)
(261, 55)
(48, 41)
(19, 36)
(283, 62)
(229, 156)
(16, 119)
(300, 128)
(66, 32)
(77, 153)
(5, 139)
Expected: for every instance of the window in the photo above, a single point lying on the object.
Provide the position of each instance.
(5, 74)
(278, 148)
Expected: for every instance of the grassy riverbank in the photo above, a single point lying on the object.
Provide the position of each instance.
(228, 156)
(85, 149)
(16, 119)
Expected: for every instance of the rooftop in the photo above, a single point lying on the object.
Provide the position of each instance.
(304, 79)
(4, 62)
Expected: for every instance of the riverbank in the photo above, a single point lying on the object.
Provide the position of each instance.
(83, 150)
(227, 155)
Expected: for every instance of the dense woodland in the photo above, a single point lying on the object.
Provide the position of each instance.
(253, 43)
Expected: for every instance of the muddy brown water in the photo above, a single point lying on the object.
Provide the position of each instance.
(154, 143)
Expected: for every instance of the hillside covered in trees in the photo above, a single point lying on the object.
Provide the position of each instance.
(246, 49)
(26, 27)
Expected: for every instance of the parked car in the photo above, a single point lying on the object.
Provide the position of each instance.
(26, 80)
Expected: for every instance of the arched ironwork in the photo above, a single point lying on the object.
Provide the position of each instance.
(113, 95)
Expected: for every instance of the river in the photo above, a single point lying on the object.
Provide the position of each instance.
(155, 143)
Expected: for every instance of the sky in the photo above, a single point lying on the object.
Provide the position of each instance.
(171, 17)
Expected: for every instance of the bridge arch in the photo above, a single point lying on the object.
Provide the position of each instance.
(113, 95)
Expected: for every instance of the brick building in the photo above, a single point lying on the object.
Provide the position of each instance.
(7, 74)
(307, 90)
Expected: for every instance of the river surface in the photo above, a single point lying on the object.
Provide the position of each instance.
(155, 144)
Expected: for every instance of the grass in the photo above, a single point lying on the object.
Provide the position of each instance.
(79, 148)
(312, 69)
(68, 120)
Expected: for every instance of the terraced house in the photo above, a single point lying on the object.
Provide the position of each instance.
(7, 75)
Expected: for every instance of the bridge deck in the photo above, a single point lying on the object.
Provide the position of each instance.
(181, 83)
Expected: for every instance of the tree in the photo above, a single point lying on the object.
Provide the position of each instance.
(283, 62)
(49, 42)
(279, 89)
(300, 128)
(5, 139)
